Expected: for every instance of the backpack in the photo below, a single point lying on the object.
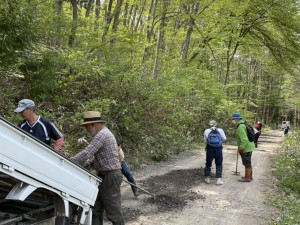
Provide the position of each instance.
(214, 138)
(249, 130)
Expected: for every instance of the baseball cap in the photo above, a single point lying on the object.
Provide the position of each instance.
(24, 104)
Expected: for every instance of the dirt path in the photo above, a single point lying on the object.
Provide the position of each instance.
(183, 198)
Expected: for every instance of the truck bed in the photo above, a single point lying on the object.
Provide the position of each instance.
(33, 176)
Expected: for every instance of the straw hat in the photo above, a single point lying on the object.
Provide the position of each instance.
(92, 117)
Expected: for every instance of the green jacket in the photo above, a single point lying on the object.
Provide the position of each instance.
(242, 138)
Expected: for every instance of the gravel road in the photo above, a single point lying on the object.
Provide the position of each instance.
(183, 198)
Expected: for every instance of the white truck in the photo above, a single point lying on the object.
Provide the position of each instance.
(39, 185)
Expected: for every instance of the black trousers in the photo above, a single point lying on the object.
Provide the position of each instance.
(256, 136)
(246, 159)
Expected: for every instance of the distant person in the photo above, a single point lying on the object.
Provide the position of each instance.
(105, 150)
(213, 138)
(245, 147)
(258, 127)
(38, 126)
(126, 172)
(286, 129)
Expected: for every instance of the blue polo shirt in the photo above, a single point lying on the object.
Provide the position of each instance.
(43, 129)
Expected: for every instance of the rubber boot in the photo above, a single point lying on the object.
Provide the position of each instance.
(97, 220)
(251, 178)
(247, 177)
(245, 174)
(134, 189)
(251, 169)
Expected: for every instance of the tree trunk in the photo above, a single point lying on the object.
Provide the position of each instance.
(229, 58)
(140, 16)
(97, 9)
(89, 7)
(56, 27)
(117, 15)
(186, 43)
(135, 8)
(159, 43)
(74, 23)
(107, 19)
(158, 49)
(150, 19)
(125, 14)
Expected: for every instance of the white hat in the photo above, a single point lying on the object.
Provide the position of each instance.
(213, 123)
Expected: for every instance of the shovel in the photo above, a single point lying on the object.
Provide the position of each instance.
(237, 159)
(147, 192)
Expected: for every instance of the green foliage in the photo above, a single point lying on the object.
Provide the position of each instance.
(287, 173)
(110, 67)
(17, 30)
(40, 77)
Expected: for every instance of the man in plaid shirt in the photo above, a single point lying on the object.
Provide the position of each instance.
(105, 150)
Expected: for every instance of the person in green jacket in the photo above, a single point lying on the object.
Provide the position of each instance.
(245, 147)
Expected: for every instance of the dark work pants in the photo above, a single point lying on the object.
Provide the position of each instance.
(211, 154)
(109, 198)
(246, 159)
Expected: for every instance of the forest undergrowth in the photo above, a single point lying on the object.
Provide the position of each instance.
(287, 173)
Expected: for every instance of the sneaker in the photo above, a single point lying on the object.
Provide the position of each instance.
(207, 180)
(219, 181)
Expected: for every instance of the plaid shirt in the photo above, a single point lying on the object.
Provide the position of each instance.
(105, 150)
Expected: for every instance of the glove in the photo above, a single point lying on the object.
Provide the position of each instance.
(88, 164)
(240, 151)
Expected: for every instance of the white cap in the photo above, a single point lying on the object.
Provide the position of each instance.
(213, 123)
(24, 104)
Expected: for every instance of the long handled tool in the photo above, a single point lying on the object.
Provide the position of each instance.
(153, 195)
(237, 159)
